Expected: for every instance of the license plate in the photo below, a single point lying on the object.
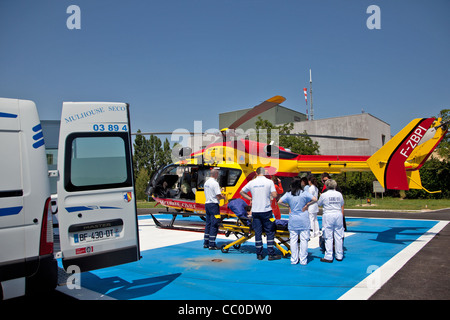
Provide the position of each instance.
(96, 235)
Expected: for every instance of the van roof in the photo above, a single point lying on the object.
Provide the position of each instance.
(9, 114)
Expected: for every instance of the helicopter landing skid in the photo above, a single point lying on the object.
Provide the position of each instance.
(171, 225)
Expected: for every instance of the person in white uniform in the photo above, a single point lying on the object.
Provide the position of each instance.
(332, 202)
(313, 209)
(262, 189)
(299, 225)
(212, 195)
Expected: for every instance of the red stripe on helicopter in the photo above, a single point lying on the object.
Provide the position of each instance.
(188, 205)
(395, 174)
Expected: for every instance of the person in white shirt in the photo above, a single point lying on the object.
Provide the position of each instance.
(212, 195)
(261, 190)
(332, 221)
(314, 208)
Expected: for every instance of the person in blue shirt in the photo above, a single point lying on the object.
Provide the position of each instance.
(299, 225)
(241, 209)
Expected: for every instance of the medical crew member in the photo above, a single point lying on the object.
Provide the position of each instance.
(325, 177)
(213, 196)
(299, 225)
(274, 204)
(332, 221)
(241, 209)
(314, 208)
(261, 189)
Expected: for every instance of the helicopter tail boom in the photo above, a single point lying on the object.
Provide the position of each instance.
(395, 165)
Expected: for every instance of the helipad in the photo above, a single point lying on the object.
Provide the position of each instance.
(175, 266)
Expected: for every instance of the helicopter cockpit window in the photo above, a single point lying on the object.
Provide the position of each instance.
(233, 177)
(227, 177)
(166, 182)
(187, 184)
(203, 174)
(183, 181)
(177, 182)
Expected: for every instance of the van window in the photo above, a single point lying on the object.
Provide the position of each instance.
(10, 165)
(52, 164)
(97, 162)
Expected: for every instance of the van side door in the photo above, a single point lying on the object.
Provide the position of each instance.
(96, 197)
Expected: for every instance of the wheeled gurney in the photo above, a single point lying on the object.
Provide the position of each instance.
(245, 232)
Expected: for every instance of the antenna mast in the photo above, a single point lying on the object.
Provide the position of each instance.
(311, 113)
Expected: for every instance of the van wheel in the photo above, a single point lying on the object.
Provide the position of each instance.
(45, 279)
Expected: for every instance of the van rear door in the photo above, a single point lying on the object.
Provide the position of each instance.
(96, 198)
(12, 230)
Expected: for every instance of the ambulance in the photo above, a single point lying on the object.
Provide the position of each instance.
(96, 197)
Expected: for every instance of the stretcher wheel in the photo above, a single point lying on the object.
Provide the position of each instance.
(222, 248)
(237, 246)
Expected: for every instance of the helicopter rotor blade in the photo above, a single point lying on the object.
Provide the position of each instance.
(163, 133)
(262, 107)
(281, 134)
(266, 105)
(323, 136)
(317, 136)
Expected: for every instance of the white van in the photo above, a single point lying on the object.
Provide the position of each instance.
(96, 203)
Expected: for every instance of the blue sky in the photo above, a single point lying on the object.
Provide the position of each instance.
(176, 61)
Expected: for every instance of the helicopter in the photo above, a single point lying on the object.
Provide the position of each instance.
(180, 185)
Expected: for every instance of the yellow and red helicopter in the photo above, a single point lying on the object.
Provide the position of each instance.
(395, 165)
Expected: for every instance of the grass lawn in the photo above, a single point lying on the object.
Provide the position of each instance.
(398, 204)
(141, 204)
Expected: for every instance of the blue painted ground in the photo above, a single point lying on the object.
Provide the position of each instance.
(189, 272)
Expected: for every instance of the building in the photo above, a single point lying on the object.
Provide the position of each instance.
(277, 115)
(362, 125)
(50, 130)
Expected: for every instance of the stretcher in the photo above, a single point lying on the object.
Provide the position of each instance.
(244, 232)
(238, 228)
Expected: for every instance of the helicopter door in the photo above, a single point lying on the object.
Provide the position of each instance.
(223, 177)
(96, 198)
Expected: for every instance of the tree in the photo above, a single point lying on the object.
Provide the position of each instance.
(299, 145)
(434, 175)
(149, 155)
(155, 154)
(141, 184)
(356, 185)
(166, 152)
(444, 147)
(141, 157)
